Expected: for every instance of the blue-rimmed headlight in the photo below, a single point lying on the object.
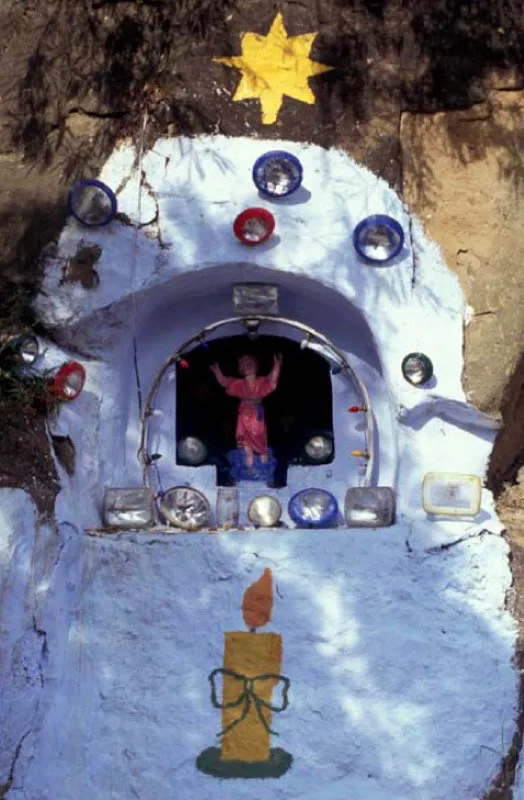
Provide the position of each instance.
(378, 238)
(92, 203)
(313, 508)
(277, 173)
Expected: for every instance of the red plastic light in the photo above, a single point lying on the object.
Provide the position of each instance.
(183, 363)
(254, 225)
(354, 409)
(69, 381)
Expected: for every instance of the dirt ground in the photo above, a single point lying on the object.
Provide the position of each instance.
(428, 95)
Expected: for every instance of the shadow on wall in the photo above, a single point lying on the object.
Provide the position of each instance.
(382, 659)
(507, 456)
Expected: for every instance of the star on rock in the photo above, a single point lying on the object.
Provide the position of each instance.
(273, 66)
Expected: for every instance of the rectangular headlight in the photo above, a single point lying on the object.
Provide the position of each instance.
(451, 494)
(129, 508)
(369, 507)
(255, 298)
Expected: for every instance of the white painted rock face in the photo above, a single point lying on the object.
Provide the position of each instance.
(398, 651)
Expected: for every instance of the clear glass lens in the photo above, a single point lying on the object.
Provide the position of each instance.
(73, 384)
(415, 370)
(254, 229)
(318, 448)
(369, 507)
(314, 506)
(255, 298)
(192, 451)
(128, 508)
(185, 508)
(91, 204)
(277, 175)
(264, 511)
(28, 350)
(227, 508)
(378, 242)
(451, 494)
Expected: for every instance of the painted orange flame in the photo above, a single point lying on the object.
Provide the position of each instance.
(258, 601)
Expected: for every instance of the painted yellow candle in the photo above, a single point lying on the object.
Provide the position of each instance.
(249, 654)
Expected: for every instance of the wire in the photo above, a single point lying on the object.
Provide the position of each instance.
(134, 265)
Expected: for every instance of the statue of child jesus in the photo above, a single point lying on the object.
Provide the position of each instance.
(251, 431)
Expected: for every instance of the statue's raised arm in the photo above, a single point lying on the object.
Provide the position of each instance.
(219, 375)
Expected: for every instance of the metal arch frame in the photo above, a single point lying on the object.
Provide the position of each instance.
(200, 337)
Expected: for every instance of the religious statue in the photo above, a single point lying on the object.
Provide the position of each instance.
(251, 431)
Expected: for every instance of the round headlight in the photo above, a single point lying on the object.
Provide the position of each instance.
(92, 203)
(314, 508)
(378, 238)
(191, 451)
(277, 173)
(69, 381)
(185, 508)
(319, 449)
(26, 348)
(417, 368)
(264, 511)
(254, 226)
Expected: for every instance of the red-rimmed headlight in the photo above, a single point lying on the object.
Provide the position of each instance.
(254, 226)
(68, 381)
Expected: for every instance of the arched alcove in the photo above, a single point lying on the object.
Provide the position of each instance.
(156, 322)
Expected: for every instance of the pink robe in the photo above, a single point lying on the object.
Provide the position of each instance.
(251, 426)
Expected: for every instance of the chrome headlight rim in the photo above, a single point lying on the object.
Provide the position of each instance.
(252, 512)
(168, 512)
(311, 444)
(191, 441)
(425, 365)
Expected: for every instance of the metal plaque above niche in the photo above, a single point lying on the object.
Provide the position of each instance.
(255, 298)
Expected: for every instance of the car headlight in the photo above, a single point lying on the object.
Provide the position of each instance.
(68, 381)
(369, 507)
(264, 511)
(129, 508)
(254, 225)
(417, 368)
(92, 203)
(191, 451)
(313, 508)
(25, 348)
(378, 238)
(277, 173)
(185, 507)
(319, 449)
(227, 507)
(451, 494)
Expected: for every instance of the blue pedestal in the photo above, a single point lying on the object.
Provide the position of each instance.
(258, 472)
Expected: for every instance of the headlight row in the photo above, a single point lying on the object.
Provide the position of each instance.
(443, 495)
(188, 509)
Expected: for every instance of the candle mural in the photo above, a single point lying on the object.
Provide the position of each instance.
(250, 677)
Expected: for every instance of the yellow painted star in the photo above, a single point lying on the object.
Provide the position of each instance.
(273, 66)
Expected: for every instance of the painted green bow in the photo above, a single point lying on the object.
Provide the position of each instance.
(248, 695)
